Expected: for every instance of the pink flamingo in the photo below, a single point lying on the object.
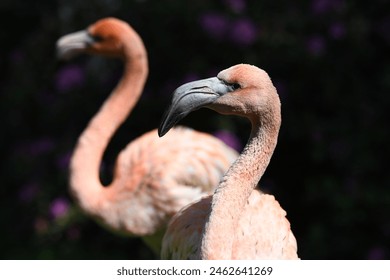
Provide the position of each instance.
(237, 222)
(153, 178)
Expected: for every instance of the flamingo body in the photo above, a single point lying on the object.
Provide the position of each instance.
(149, 194)
(153, 178)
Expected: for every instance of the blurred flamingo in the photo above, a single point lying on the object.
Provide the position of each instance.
(153, 178)
(238, 221)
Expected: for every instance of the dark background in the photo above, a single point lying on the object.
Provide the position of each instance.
(328, 59)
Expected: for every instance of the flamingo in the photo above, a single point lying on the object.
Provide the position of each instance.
(153, 179)
(237, 221)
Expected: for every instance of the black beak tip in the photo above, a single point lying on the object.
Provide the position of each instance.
(161, 132)
(164, 127)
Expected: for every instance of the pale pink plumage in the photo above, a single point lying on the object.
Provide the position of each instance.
(153, 177)
(238, 221)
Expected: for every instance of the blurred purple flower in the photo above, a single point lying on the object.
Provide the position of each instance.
(63, 160)
(320, 6)
(243, 32)
(59, 207)
(337, 30)
(39, 146)
(237, 6)
(376, 253)
(315, 45)
(229, 139)
(324, 6)
(215, 24)
(69, 77)
(28, 192)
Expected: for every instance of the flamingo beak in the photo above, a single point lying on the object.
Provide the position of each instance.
(73, 44)
(190, 97)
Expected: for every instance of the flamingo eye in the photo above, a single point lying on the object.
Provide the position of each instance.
(97, 38)
(236, 86)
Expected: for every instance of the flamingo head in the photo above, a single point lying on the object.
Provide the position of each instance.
(106, 37)
(243, 90)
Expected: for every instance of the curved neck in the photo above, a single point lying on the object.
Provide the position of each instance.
(85, 162)
(235, 188)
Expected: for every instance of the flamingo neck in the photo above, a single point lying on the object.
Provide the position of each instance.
(86, 159)
(235, 188)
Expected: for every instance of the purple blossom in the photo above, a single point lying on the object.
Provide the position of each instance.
(37, 147)
(63, 160)
(237, 6)
(320, 6)
(215, 24)
(337, 30)
(59, 207)
(243, 32)
(42, 145)
(325, 6)
(376, 253)
(28, 192)
(315, 45)
(69, 77)
(229, 139)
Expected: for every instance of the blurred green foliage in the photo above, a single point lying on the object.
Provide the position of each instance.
(328, 59)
